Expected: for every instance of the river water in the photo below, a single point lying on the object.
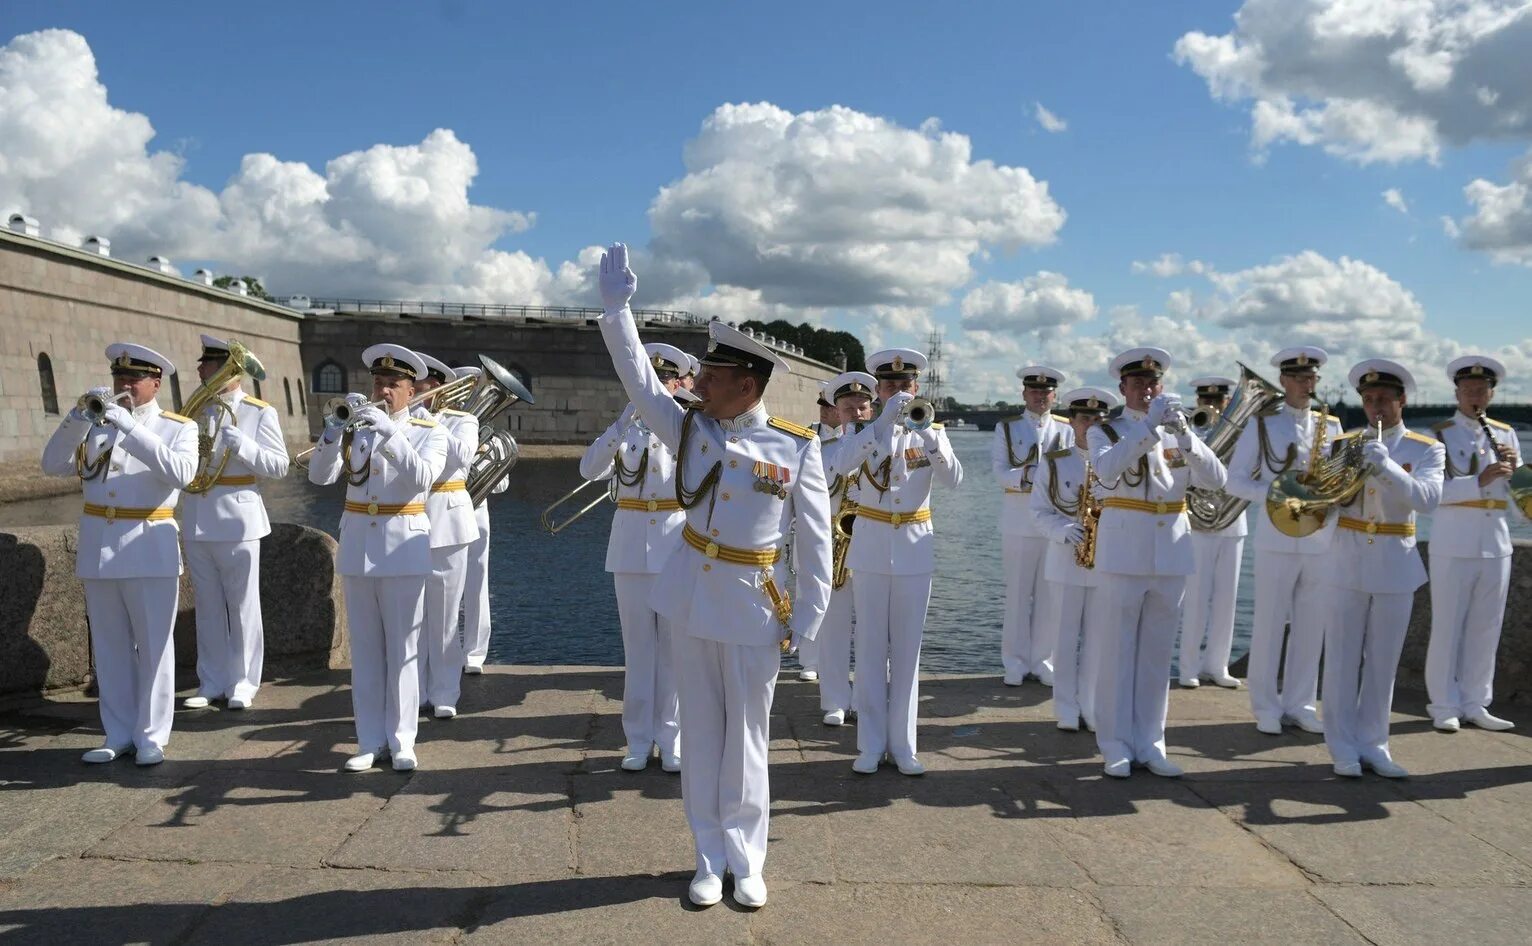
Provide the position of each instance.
(552, 603)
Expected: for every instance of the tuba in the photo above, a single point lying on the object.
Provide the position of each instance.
(492, 394)
(1213, 510)
(1299, 501)
(239, 362)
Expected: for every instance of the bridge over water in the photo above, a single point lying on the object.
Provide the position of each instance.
(1416, 415)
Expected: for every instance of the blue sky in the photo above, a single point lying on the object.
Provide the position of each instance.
(579, 114)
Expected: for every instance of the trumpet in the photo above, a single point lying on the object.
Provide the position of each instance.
(93, 406)
(341, 411)
(918, 414)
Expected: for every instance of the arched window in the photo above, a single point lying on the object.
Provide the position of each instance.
(303, 400)
(45, 380)
(175, 391)
(329, 378)
(287, 392)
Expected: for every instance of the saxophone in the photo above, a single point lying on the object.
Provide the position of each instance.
(1089, 513)
(844, 520)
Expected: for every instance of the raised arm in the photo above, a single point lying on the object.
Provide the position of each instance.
(660, 411)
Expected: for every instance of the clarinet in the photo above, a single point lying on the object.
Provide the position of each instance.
(1502, 452)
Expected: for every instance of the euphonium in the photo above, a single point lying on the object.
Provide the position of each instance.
(495, 390)
(1214, 510)
(239, 362)
(1089, 513)
(1298, 502)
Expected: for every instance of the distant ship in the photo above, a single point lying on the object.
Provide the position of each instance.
(960, 423)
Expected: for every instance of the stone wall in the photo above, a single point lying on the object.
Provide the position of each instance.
(44, 638)
(565, 365)
(68, 305)
(1513, 662)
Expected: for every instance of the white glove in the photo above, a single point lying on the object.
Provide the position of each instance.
(1162, 409)
(230, 438)
(379, 421)
(120, 417)
(1072, 534)
(890, 415)
(617, 281)
(930, 440)
(628, 413)
(1184, 440)
(1375, 453)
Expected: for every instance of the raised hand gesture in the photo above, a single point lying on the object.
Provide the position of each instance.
(617, 281)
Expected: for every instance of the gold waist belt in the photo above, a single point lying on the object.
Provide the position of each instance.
(895, 519)
(385, 509)
(1481, 504)
(1012, 489)
(1164, 508)
(247, 480)
(726, 553)
(1376, 528)
(111, 513)
(451, 486)
(649, 505)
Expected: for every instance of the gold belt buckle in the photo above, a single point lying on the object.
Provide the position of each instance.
(372, 509)
(111, 514)
(653, 505)
(895, 519)
(1372, 528)
(1161, 508)
(711, 551)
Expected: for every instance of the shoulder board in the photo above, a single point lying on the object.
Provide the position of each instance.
(1060, 418)
(1010, 419)
(452, 413)
(255, 401)
(1059, 454)
(1497, 424)
(422, 422)
(1442, 426)
(178, 418)
(797, 430)
(1422, 438)
(938, 425)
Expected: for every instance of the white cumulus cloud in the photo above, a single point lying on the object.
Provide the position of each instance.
(1170, 264)
(1395, 199)
(1037, 303)
(1501, 222)
(1050, 122)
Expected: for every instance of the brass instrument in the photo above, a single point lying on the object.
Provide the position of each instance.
(1202, 415)
(206, 399)
(340, 411)
(553, 526)
(1298, 502)
(93, 406)
(1214, 510)
(841, 528)
(918, 414)
(1089, 513)
(1521, 478)
(492, 394)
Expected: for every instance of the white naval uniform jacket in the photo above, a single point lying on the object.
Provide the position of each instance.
(403, 466)
(146, 469)
(641, 540)
(1066, 468)
(1251, 474)
(710, 598)
(238, 513)
(1411, 483)
(881, 548)
(1240, 527)
(451, 513)
(1146, 463)
(1464, 531)
(1029, 437)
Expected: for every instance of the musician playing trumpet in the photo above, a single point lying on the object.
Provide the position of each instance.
(132, 459)
(222, 528)
(1470, 558)
(1063, 482)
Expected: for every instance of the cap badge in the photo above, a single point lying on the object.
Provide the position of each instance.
(898, 363)
(712, 345)
(1303, 358)
(1370, 377)
(1150, 364)
(1477, 369)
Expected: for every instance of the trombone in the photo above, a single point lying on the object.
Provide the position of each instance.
(341, 411)
(554, 527)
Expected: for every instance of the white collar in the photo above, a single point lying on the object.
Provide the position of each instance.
(1472, 423)
(754, 417)
(1296, 411)
(1133, 414)
(1035, 418)
(232, 397)
(144, 411)
(400, 416)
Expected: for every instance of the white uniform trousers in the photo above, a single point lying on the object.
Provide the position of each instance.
(441, 644)
(476, 594)
(1139, 615)
(1208, 612)
(1289, 589)
(726, 692)
(834, 644)
(131, 620)
(808, 655)
(891, 617)
(1467, 611)
(1363, 640)
(231, 642)
(651, 714)
(1026, 637)
(384, 617)
(1076, 658)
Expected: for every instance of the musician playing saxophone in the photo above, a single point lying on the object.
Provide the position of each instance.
(1056, 508)
(1470, 551)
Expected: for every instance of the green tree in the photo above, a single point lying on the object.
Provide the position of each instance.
(252, 285)
(817, 343)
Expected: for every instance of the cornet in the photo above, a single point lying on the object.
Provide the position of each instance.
(918, 414)
(93, 406)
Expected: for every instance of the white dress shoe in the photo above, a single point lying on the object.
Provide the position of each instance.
(706, 889)
(1164, 768)
(1270, 727)
(1189, 683)
(1387, 768)
(473, 670)
(102, 754)
(1225, 679)
(1449, 724)
(1120, 768)
(404, 760)
(1045, 677)
(1014, 679)
(835, 717)
(1069, 723)
(1348, 769)
(635, 761)
(750, 892)
(808, 676)
(446, 712)
(867, 763)
(1309, 722)
(1088, 723)
(361, 762)
(149, 755)
(238, 703)
(195, 702)
(670, 763)
(910, 766)
(1484, 720)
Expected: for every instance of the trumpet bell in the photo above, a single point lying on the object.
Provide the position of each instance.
(918, 414)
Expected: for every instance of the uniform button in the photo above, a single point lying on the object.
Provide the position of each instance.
(733, 463)
(654, 469)
(1160, 524)
(112, 494)
(725, 496)
(1371, 491)
(653, 521)
(373, 524)
(715, 533)
(733, 440)
(896, 502)
(707, 568)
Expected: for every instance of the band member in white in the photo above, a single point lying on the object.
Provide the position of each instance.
(389, 461)
(892, 555)
(693, 368)
(132, 460)
(827, 429)
(454, 528)
(744, 479)
(1055, 501)
(1289, 570)
(476, 617)
(223, 528)
(1470, 557)
(1026, 637)
(1207, 614)
(1373, 569)
(646, 529)
(852, 392)
(1143, 461)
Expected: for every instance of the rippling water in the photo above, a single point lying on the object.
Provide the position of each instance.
(552, 601)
